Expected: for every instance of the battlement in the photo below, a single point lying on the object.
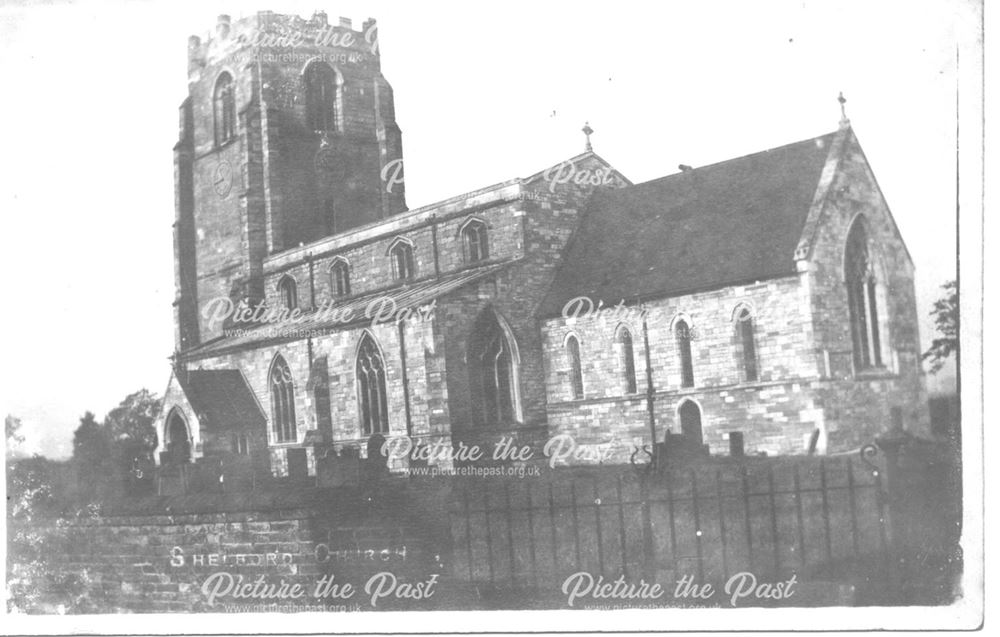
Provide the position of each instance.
(269, 31)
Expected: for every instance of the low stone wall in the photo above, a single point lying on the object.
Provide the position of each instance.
(298, 550)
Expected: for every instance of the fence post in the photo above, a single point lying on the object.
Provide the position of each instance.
(890, 447)
(896, 572)
(644, 471)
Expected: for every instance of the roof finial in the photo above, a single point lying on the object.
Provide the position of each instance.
(844, 122)
(588, 131)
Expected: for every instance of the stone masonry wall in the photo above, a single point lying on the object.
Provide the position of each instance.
(544, 222)
(776, 413)
(428, 407)
(370, 265)
(859, 405)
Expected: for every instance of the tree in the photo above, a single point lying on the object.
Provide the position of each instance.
(92, 458)
(90, 441)
(14, 437)
(946, 316)
(130, 425)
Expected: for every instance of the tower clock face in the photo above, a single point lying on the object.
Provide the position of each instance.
(222, 178)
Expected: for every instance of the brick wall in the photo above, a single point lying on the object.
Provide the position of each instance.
(140, 558)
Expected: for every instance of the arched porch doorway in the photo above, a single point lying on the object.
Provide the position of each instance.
(178, 440)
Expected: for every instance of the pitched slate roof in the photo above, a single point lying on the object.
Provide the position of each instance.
(222, 399)
(723, 224)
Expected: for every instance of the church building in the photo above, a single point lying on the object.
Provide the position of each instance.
(763, 304)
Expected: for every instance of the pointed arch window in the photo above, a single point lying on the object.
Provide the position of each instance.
(401, 255)
(575, 366)
(682, 333)
(493, 371)
(628, 359)
(372, 404)
(340, 278)
(224, 109)
(747, 344)
(321, 97)
(282, 401)
(475, 241)
(862, 302)
(289, 292)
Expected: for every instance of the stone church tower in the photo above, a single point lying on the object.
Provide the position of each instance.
(287, 136)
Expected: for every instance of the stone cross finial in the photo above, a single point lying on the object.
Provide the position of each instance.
(843, 112)
(588, 131)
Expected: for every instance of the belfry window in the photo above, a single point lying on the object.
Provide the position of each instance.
(340, 278)
(372, 404)
(493, 371)
(682, 333)
(321, 97)
(575, 366)
(282, 401)
(475, 241)
(628, 359)
(748, 347)
(224, 109)
(862, 302)
(289, 293)
(402, 261)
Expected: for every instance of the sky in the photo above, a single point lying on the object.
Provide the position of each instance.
(484, 92)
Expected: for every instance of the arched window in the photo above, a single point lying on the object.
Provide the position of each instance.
(372, 404)
(747, 345)
(861, 298)
(340, 278)
(628, 359)
(289, 292)
(224, 109)
(575, 366)
(321, 97)
(690, 415)
(683, 334)
(475, 242)
(493, 371)
(282, 401)
(401, 254)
